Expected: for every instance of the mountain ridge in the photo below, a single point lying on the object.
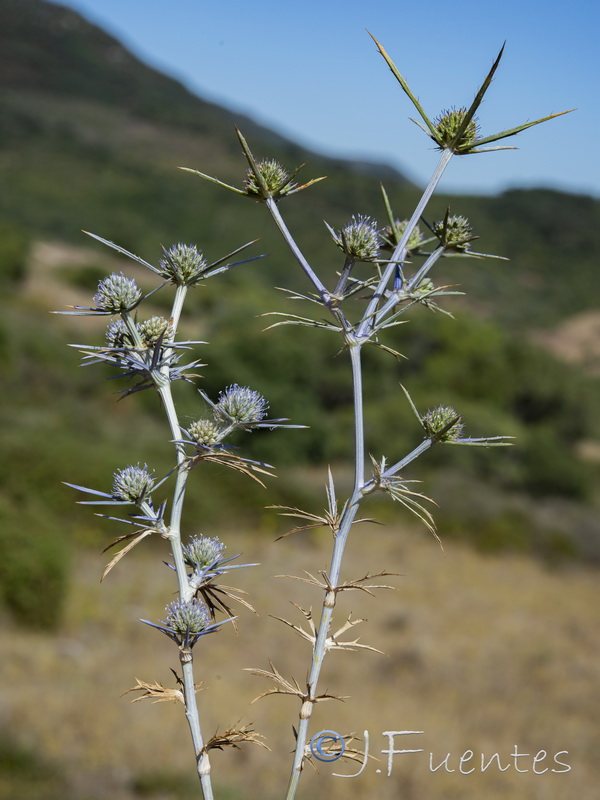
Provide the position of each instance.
(106, 71)
(91, 138)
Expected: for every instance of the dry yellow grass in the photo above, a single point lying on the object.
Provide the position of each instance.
(481, 654)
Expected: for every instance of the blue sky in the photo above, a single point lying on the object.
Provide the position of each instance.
(309, 70)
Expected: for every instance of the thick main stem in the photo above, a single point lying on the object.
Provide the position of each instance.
(354, 342)
(191, 713)
(186, 592)
(341, 536)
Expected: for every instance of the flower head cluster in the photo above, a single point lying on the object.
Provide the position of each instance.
(186, 618)
(133, 484)
(203, 551)
(117, 336)
(152, 329)
(359, 239)
(183, 264)
(449, 125)
(186, 621)
(391, 236)
(455, 233)
(116, 294)
(204, 432)
(443, 424)
(241, 404)
(276, 178)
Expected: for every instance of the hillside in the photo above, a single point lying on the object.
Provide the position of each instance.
(90, 138)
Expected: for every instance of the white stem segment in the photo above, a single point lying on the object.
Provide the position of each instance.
(360, 489)
(186, 592)
(348, 517)
(399, 253)
(191, 713)
(312, 276)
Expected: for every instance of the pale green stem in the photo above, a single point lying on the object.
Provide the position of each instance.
(191, 713)
(395, 468)
(178, 494)
(414, 281)
(180, 294)
(349, 515)
(423, 271)
(312, 276)
(186, 592)
(400, 251)
(320, 646)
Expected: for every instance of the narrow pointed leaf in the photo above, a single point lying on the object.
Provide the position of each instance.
(404, 85)
(214, 180)
(479, 96)
(513, 131)
(123, 252)
(253, 165)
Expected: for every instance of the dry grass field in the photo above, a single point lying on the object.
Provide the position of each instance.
(490, 655)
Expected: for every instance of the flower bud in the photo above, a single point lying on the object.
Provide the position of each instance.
(153, 328)
(204, 432)
(391, 236)
(117, 335)
(455, 233)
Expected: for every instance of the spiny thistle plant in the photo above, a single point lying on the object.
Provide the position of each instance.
(387, 265)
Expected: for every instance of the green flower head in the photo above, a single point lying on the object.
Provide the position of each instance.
(277, 180)
(183, 264)
(116, 294)
(442, 423)
(449, 130)
(359, 239)
(133, 484)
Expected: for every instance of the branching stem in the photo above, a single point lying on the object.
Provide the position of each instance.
(185, 590)
(399, 253)
(283, 228)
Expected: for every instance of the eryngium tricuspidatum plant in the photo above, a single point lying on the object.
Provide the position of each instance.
(386, 268)
(402, 258)
(147, 353)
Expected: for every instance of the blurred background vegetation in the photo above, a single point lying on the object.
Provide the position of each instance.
(90, 139)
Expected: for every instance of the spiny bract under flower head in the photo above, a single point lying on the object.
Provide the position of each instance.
(447, 126)
(117, 293)
(187, 617)
(359, 239)
(133, 484)
(202, 551)
(204, 432)
(392, 237)
(183, 264)
(435, 420)
(241, 404)
(153, 328)
(276, 178)
(455, 233)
